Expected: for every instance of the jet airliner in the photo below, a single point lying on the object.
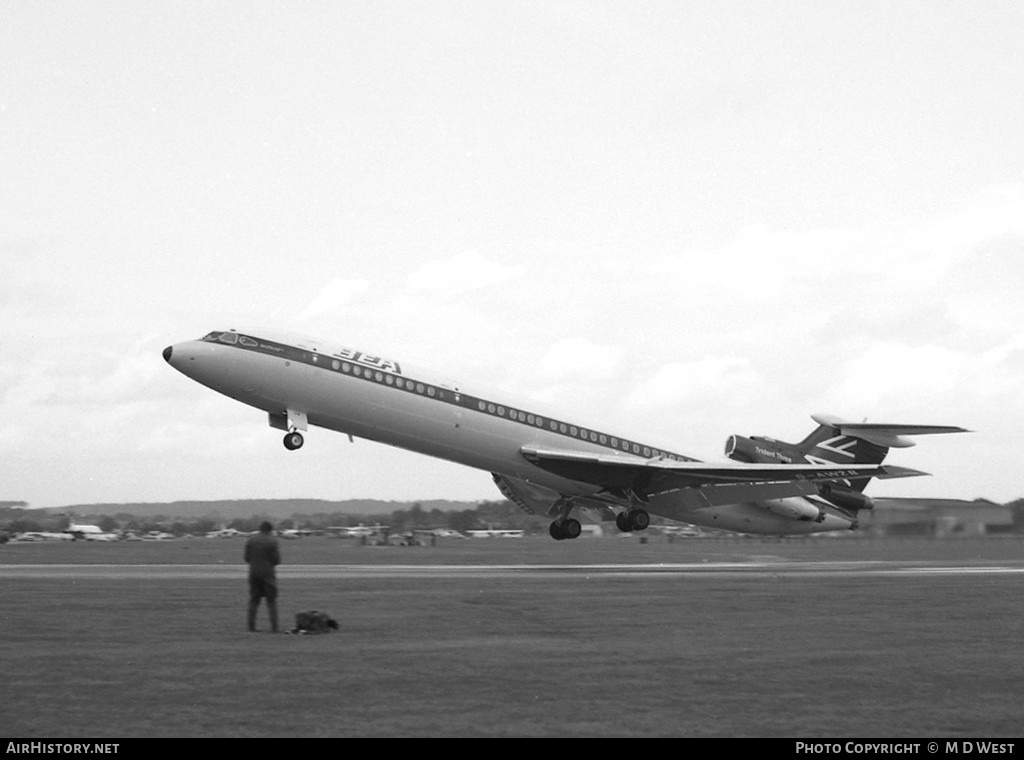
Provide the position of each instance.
(546, 463)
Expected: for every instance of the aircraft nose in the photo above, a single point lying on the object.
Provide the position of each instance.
(167, 353)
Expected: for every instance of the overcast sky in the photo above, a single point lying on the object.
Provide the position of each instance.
(686, 219)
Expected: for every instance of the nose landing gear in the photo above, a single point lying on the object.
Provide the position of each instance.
(293, 422)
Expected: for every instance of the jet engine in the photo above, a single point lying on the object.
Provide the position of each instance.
(757, 450)
(795, 508)
(844, 498)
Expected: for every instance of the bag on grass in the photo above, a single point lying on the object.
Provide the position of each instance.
(314, 621)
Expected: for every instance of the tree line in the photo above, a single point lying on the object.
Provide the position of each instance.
(500, 514)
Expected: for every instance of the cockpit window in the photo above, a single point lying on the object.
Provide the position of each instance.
(248, 342)
(212, 337)
(229, 338)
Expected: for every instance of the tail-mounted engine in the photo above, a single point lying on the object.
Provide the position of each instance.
(760, 450)
(844, 498)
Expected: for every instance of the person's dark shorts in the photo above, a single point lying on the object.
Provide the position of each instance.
(261, 588)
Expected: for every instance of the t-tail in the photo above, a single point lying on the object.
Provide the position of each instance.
(837, 441)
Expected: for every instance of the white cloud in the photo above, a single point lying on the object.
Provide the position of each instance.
(462, 273)
(578, 358)
(900, 379)
(333, 297)
(715, 379)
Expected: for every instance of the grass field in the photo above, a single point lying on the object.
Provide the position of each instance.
(792, 654)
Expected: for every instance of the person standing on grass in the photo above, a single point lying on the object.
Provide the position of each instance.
(263, 556)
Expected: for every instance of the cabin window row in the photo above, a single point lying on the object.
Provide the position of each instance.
(387, 378)
(496, 409)
(571, 430)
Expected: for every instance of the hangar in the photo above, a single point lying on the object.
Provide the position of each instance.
(942, 517)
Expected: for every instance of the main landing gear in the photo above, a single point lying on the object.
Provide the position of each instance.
(565, 528)
(632, 520)
(293, 440)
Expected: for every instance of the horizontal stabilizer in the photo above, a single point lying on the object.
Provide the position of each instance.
(890, 436)
(892, 471)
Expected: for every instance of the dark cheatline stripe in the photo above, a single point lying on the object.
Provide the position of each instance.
(389, 374)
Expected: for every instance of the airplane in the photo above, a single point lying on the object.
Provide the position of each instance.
(293, 533)
(43, 535)
(90, 532)
(495, 533)
(356, 531)
(157, 535)
(440, 533)
(226, 533)
(546, 463)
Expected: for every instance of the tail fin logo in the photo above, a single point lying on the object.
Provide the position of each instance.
(840, 446)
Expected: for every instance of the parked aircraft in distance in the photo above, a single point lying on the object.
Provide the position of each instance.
(157, 535)
(295, 532)
(226, 533)
(41, 535)
(547, 463)
(441, 533)
(90, 532)
(356, 531)
(494, 533)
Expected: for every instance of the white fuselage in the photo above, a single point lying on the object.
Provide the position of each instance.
(300, 381)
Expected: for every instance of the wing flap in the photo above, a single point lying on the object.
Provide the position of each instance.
(622, 472)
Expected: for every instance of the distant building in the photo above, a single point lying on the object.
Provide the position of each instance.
(939, 517)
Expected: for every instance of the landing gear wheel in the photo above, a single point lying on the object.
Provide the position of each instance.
(571, 528)
(640, 519)
(293, 441)
(566, 529)
(622, 522)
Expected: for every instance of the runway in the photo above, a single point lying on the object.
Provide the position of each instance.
(751, 569)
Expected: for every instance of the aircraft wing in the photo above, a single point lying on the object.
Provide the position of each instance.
(623, 472)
